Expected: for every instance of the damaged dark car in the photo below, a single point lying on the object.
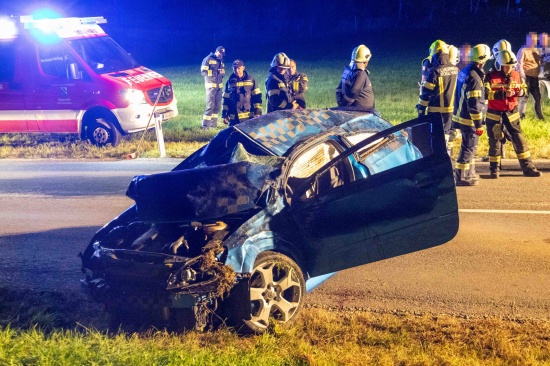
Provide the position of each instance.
(240, 230)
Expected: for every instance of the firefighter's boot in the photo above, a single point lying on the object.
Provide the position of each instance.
(462, 178)
(528, 168)
(472, 172)
(494, 168)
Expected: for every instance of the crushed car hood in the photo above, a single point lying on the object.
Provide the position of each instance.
(198, 194)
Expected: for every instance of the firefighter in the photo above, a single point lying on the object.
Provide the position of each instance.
(297, 83)
(469, 105)
(438, 91)
(529, 65)
(355, 88)
(428, 62)
(503, 87)
(242, 98)
(278, 93)
(502, 45)
(212, 69)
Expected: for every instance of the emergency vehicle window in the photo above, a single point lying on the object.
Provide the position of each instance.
(55, 61)
(7, 61)
(103, 54)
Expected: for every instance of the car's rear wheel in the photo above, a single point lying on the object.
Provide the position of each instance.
(277, 290)
(101, 133)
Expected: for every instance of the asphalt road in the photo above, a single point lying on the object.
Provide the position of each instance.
(497, 265)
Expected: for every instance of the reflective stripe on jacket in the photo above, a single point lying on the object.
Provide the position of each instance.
(278, 95)
(438, 90)
(213, 70)
(496, 85)
(297, 84)
(470, 97)
(242, 98)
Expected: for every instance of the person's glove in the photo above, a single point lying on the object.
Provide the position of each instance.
(225, 121)
(479, 131)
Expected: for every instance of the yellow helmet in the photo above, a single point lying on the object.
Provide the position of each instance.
(454, 55)
(439, 46)
(481, 53)
(505, 58)
(281, 60)
(501, 46)
(360, 53)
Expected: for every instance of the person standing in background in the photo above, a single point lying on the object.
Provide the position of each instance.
(212, 68)
(529, 65)
(297, 83)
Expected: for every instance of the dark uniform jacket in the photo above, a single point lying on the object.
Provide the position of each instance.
(427, 64)
(355, 89)
(242, 99)
(469, 98)
(298, 87)
(212, 68)
(496, 85)
(438, 90)
(278, 94)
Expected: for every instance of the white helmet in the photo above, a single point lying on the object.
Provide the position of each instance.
(501, 46)
(505, 58)
(360, 53)
(481, 53)
(454, 55)
(281, 60)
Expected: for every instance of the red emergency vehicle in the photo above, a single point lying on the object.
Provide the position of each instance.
(66, 75)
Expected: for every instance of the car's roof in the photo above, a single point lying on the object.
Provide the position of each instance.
(276, 132)
(279, 131)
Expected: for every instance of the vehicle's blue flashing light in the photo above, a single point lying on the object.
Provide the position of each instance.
(45, 25)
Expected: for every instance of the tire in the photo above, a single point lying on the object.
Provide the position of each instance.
(101, 133)
(277, 290)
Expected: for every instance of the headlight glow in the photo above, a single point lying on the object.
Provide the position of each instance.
(135, 96)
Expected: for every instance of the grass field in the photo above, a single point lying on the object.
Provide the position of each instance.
(394, 82)
(44, 328)
(319, 337)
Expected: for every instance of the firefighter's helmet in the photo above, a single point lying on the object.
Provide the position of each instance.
(454, 55)
(281, 60)
(506, 58)
(501, 46)
(481, 53)
(438, 46)
(360, 53)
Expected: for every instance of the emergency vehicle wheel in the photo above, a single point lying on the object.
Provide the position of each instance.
(277, 290)
(103, 133)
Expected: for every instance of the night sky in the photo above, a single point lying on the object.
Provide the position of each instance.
(169, 32)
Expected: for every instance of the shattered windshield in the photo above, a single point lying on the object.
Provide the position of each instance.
(103, 54)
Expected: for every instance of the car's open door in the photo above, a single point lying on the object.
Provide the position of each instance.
(399, 199)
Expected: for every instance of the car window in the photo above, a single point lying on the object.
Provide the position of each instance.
(382, 154)
(313, 159)
(57, 61)
(309, 163)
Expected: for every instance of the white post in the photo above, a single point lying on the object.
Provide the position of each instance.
(160, 136)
